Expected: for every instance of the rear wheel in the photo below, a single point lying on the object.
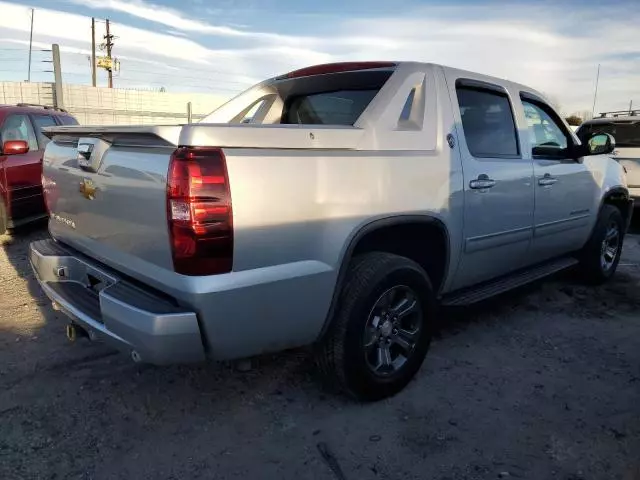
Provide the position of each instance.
(382, 328)
(600, 256)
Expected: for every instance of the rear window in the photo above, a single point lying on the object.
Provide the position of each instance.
(330, 108)
(330, 99)
(626, 134)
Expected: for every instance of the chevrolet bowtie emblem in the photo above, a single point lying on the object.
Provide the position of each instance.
(88, 189)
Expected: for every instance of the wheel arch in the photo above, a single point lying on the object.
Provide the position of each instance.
(379, 227)
(619, 197)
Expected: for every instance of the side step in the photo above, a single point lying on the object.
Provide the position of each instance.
(475, 294)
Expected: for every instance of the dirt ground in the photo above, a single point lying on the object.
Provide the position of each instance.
(543, 383)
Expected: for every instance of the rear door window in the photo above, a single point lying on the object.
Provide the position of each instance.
(18, 127)
(40, 122)
(488, 123)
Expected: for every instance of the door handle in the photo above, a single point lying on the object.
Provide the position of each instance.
(547, 180)
(482, 182)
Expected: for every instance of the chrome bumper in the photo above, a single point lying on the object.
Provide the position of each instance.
(121, 314)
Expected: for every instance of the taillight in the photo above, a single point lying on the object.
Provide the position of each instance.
(199, 211)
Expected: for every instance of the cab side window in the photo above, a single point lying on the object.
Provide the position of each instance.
(40, 122)
(488, 123)
(18, 127)
(548, 137)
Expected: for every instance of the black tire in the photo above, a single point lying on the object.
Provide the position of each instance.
(341, 354)
(3, 218)
(593, 269)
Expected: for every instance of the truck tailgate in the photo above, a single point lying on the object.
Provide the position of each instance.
(114, 205)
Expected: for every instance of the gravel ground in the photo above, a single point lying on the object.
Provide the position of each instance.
(543, 383)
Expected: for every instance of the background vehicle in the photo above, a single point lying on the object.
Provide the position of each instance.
(624, 127)
(354, 198)
(21, 148)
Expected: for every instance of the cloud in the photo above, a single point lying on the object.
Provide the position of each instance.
(549, 48)
(178, 22)
(172, 18)
(159, 14)
(546, 48)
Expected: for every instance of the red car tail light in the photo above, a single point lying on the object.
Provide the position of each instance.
(199, 211)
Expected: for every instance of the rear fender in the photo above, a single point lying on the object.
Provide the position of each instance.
(357, 236)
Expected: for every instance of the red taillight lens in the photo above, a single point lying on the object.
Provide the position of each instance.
(199, 211)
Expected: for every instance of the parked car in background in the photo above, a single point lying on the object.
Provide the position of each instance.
(22, 145)
(355, 198)
(624, 127)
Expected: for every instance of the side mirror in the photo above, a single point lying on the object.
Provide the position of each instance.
(15, 147)
(601, 143)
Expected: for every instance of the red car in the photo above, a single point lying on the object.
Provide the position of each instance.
(21, 148)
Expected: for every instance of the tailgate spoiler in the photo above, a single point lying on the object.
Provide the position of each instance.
(317, 137)
(156, 135)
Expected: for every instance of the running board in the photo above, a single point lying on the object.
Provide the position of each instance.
(476, 294)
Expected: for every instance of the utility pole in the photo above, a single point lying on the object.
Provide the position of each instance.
(30, 45)
(595, 94)
(93, 51)
(109, 38)
(57, 75)
(630, 106)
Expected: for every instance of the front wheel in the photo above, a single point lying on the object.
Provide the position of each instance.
(382, 327)
(600, 256)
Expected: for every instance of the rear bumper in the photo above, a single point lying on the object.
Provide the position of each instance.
(114, 310)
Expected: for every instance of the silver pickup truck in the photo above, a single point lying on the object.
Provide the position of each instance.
(336, 205)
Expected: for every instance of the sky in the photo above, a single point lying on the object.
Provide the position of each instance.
(224, 46)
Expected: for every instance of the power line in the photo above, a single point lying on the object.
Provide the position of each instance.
(24, 49)
(172, 76)
(136, 61)
(190, 70)
(164, 84)
(178, 76)
(30, 45)
(169, 78)
(134, 80)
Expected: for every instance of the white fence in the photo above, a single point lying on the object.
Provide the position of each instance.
(113, 106)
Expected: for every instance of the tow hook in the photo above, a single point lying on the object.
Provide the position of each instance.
(75, 331)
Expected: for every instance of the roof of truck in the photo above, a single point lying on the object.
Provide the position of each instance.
(339, 67)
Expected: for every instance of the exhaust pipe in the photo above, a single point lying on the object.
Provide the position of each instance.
(75, 331)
